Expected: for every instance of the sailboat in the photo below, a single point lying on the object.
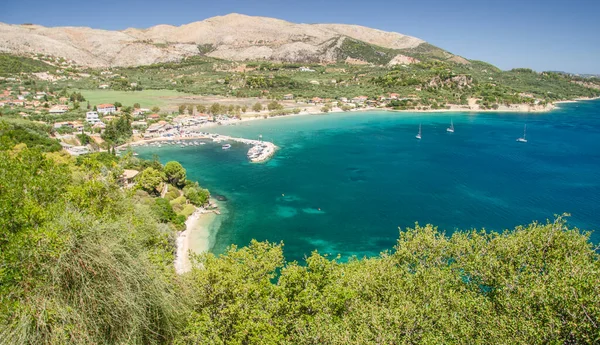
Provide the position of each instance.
(451, 128)
(419, 135)
(524, 138)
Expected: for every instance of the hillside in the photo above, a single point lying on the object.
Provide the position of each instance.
(232, 37)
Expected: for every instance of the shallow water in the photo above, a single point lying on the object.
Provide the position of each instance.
(344, 183)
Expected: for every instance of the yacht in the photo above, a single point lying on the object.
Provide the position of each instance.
(524, 138)
(226, 146)
(419, 135)
(451, 128)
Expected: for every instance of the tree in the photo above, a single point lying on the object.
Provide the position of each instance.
(136, 106)
(175, 173)
(182, 109)
(118, 104)
(257, 107)
(190, 109)
(155, 109)
(215, 109)
(244, 108)
(201, 108)
(163, 210)
(88, 104)
(150, 180)
(274, 106)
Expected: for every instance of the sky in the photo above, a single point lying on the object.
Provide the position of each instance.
(542, 35)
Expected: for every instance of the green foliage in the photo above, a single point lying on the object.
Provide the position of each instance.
(534, 285)
(11, 64)
(172, 193)
(76, 270)
(119, 130)
(150, 180)
(274, 106)
(32, 134)
(257, 107)
(204, 49)
(175, 173)
(196, 194)
(163, 210)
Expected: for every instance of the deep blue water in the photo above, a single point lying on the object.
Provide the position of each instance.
(344, 183)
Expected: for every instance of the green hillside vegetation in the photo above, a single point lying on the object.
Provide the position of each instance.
(11, 64)
(84, 261)
(34, 135)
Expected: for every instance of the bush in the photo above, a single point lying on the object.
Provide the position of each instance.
(163, 210)
(195, 194)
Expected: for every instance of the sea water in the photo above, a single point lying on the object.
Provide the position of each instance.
(345, 183)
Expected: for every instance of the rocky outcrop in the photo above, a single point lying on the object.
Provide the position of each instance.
(402, 60)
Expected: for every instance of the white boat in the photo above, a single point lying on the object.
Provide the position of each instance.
(202, 143)
(226, 147)
(451, 128)
(419, 135)
(524, 138)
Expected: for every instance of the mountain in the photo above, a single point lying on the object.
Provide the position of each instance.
(232, 37)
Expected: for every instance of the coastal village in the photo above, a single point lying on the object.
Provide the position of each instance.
(81, 126)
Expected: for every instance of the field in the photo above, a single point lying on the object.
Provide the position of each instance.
(146, 98)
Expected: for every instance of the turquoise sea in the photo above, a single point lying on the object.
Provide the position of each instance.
(344, 183)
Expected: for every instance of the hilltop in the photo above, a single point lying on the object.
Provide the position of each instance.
(232, 37)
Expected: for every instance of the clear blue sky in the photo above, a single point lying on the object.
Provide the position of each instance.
(543, 35)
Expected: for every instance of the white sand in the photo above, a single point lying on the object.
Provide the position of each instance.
(196, 238)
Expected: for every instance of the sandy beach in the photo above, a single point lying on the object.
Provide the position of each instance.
(197, 238)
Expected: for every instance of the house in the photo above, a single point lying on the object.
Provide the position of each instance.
(63, 100)
(62, 124)
(153, 117)
(139, 124)
(77, 125)
(394, 96)
(359, 99)
(139, 112)
(128, 177)
(288, 97)
(158, 127)
(92, 117)
(106, 108)
(58, 109)
(343, 99)
(315, 100)
(103, 86)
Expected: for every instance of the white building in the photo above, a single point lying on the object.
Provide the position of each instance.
(92, 117)
(106, 108)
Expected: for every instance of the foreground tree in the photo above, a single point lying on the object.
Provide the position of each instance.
(150, 180)
(175, 173)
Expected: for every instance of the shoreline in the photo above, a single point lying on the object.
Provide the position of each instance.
(197, 238)
(197, 235)
(257, 117)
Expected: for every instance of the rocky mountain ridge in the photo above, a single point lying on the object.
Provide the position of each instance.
(232, 37)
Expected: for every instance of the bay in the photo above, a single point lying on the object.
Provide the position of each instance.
(345, 183)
